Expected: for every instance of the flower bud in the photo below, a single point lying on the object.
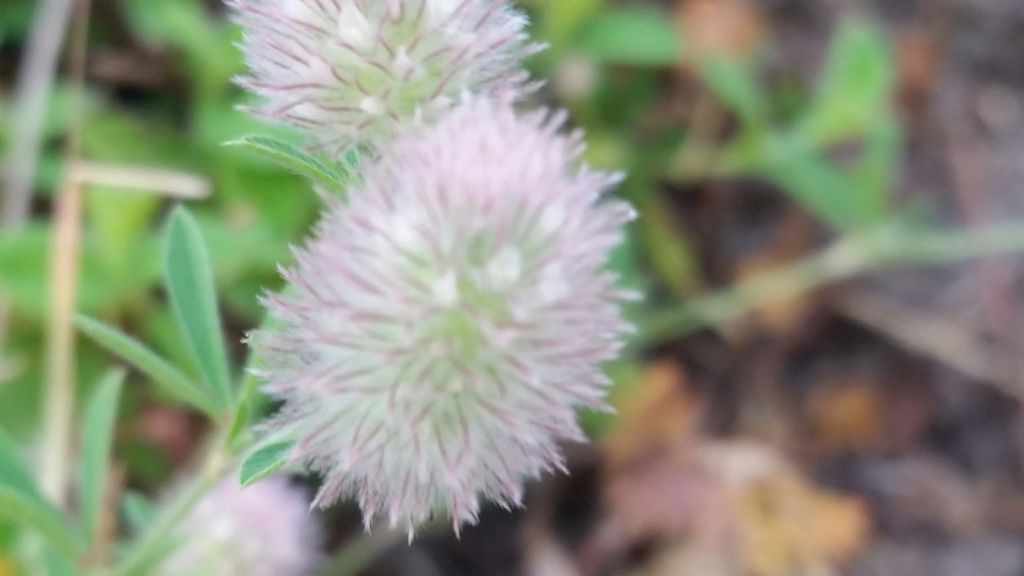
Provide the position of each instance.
(262, 530)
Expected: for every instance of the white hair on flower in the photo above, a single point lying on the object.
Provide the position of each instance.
(354, 72)
(442, 327)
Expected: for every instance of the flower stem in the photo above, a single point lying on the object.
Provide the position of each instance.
(157, 541)
(360, 552)
(891, 244)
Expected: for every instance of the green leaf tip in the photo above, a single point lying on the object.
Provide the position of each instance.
(263, 462)
(190, 285)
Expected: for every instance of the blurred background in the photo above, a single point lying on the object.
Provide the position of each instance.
(827, 371)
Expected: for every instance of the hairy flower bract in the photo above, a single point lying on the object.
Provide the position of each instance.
(442, 326)
(355, 72)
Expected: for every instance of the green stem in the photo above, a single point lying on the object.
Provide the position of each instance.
(360, 552)
(154, 543)
(857, 253)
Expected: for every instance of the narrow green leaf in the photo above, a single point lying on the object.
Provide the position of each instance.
(186, 26)
(22, 503)
(263, 462)
(250, 402)
(162, 373)
(59, 564)
(735, 84)
(333, 177)
(820, 187)
(875, 172)
(138, 511)
(38, 515)
(97, 444)
(672, 255)
(13, 472)
(632, 36)
(24, 254)
(191, 289)
(856, 86)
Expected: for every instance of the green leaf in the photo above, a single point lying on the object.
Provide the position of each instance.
(187, 26)
(855, 87)
(58, 564)
(821, 188)
(148, 362)
(22, 503)
(334, 177)
(560, 22)
(876, 170)
(39, 515)
(110, 136)
(17, 20)
(24, 254)
(231, 252)
(118, 221)
(263, 462)
(632, 36)
(190, 286)
(671, 253)
(735, 84)
(13, 472)
(138, 511)
(97, 444)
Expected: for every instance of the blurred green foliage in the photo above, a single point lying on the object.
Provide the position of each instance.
(157, 303)
(852, 103)
(608, 64)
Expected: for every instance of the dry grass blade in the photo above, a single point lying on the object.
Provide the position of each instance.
(58, 407)
(171, 183)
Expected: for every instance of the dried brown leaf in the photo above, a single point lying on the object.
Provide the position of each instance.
(846, 416)
(656, 417)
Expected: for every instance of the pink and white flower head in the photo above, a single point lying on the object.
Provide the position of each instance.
(351, 72)
(262, 530)
(442, 327)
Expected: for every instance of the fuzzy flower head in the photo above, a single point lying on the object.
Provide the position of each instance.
(353, 72)
(442, 327)
(262, 530)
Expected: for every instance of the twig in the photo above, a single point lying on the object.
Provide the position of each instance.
(853, 255)
(842, 260)
(58, 410)
(169, 183)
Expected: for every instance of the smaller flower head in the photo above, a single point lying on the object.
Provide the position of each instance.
(262, 530)
(354, 71)
(444, 325)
